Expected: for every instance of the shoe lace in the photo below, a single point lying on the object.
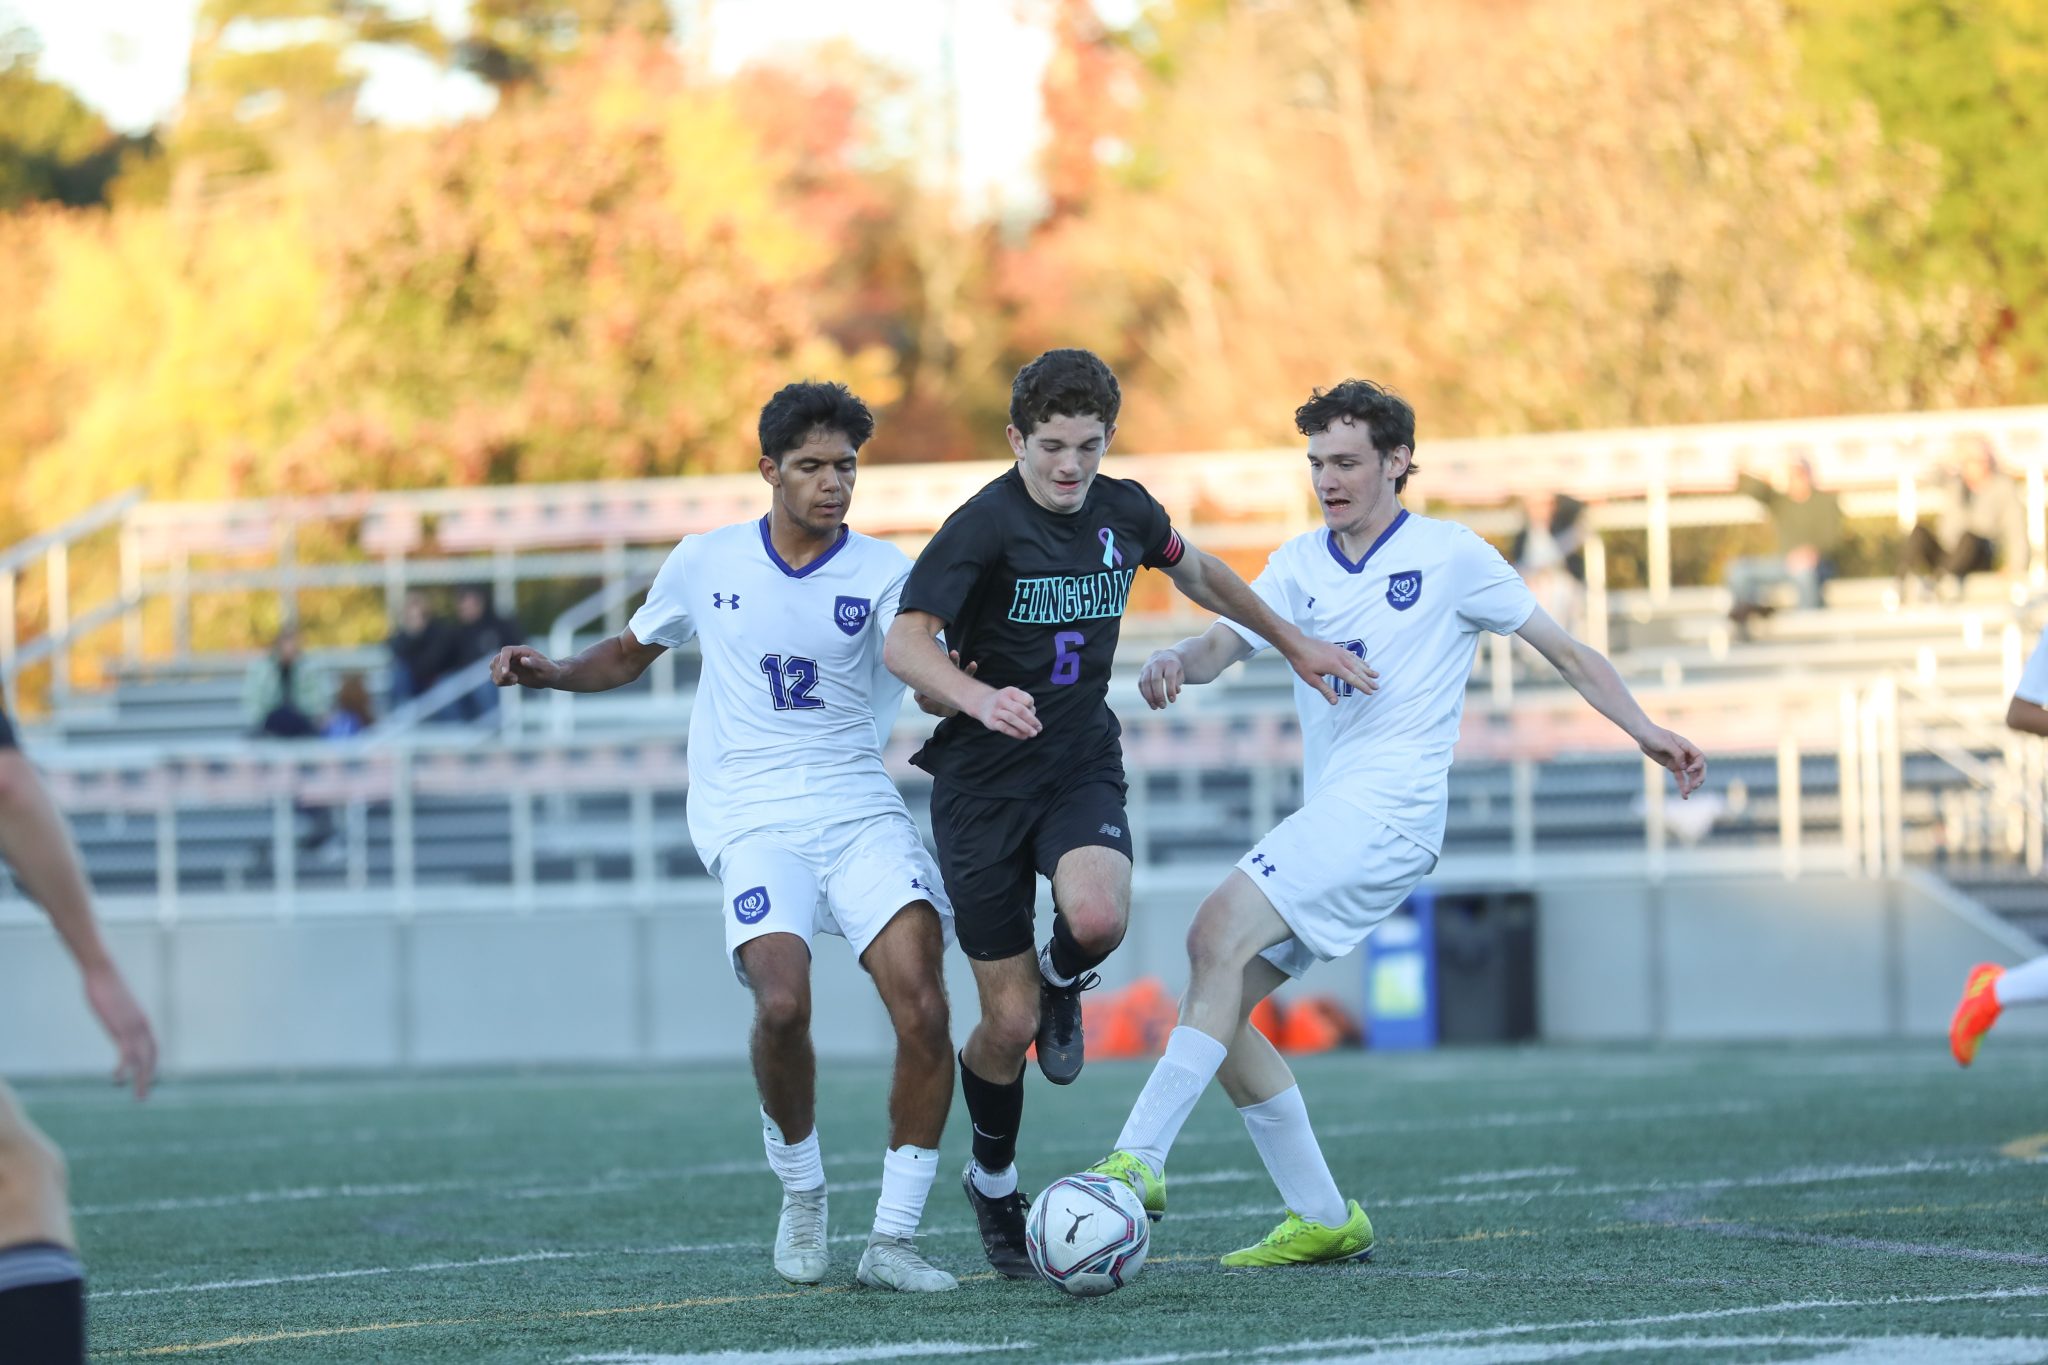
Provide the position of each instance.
(1290, 1228)
(806, 1223)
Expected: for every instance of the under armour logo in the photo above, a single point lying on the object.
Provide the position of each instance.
(917, 884)
(1113, 831)
(719, 599)
(1075, 1230)
(1311, 605)
(1266, 866)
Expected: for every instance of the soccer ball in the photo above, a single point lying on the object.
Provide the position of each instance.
(1087, 1234)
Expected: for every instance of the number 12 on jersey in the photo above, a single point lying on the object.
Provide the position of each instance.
(791, 682)
(1357, 647)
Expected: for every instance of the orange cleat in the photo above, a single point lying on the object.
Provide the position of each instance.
(1975, 1013)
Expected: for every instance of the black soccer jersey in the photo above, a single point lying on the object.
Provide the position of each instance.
(1035, 599)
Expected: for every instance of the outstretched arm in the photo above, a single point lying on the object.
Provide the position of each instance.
(2027, 717)
(1594, 678)
(1195, 660)
(609, 663)
(1208, 582)
(37, 844)
(911, 651)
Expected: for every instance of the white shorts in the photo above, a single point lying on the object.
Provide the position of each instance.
(848, 879)
(1333, 872)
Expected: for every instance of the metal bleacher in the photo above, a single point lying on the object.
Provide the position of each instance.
(1862, 736)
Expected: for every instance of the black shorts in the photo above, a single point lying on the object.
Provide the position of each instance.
(7, 740)
(993, 849)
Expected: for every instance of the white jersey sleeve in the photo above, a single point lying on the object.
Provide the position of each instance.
(1490, 594)
(885, 689)
(2033, 686)
(1275, 588)
(664, 618)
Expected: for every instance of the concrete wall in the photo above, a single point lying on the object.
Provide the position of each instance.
(1617, 961)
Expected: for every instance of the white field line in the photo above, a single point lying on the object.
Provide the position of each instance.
(534, 1187)
(1904, 1350)
(815, 1355)
(1498, 1177)
(1324, 1348)
(1803, 1176)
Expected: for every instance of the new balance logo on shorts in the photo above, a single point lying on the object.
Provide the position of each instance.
(1113, 831)
(751, 906)
(1266, 866)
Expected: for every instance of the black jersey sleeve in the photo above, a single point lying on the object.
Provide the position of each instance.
(945, 575)
(1163, 545)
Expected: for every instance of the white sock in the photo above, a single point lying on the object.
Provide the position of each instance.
(907, 1175)
(1169, 1096)
(994, 1184)
(1280, 1130)
(1045, 967)
(2026, 984)
(797, 1165)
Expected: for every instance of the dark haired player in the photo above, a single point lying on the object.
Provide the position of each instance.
(793, 811)
(1028, 580)
(1414, 594)
(42, 1286)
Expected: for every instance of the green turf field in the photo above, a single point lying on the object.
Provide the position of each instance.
(1843, 1203)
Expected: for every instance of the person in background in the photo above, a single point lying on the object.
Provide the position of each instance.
(420, 648)
(479, 633)
(1806, 530)
(1980, 520)
(281, 692)
(352, 713)
(1549, 552)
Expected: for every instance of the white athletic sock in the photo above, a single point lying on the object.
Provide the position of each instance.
(1169, 1096)
(2026, 984)
(1045, 967)
(1280, 1130)
(799, 1166)
(907, 1175)
(994, 1184)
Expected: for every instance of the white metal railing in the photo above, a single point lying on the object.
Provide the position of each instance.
(1655, 480)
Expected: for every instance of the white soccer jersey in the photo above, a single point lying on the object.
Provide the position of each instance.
(794, 706)
(2033, 685)
(1413, 608)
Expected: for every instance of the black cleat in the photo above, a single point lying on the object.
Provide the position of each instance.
(1060, 1050)
(1002, 1228)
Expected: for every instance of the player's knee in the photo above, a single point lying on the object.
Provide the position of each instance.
(922, 1020)
(33, 1176)
(782, 1007)
(1212, 948)
(1011, 1030)
(1096, 922)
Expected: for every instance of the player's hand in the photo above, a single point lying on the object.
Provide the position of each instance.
(1674, 751)
(932, 706)
(1161, 679)
(126, 1024)
(1319, 661)
(1011, 712)
(524, 666)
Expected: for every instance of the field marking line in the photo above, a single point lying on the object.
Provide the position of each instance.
(510, 1320)
(827, 1355)
(1501, 1177)
(1830, 1350)
(1326, 1345)
(1756, 1232)
(2033, 1147)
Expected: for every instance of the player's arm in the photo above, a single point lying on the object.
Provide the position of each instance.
(1208, 582)
(36, 843)
(2027, 717)
(1594, 678)
(609, 663)
(1196, 660)
(911, 651)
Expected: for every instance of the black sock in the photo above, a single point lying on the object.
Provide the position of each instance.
(42, 1305)
(1068, 957)
(996, 1111)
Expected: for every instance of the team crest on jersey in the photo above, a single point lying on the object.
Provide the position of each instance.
(851, 613)
(1403, 589)
(751, 906)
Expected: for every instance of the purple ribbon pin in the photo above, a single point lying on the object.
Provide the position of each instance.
(1111, 556)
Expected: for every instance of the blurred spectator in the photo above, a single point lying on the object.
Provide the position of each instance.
(421, 648)
(1980, 518)
(352, 713)
(281, 693)
(479, 634)
(1549, 552)
(1806, 529)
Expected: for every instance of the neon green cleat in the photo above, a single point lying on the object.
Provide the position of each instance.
(1134, 1172)
(1302, 1241)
